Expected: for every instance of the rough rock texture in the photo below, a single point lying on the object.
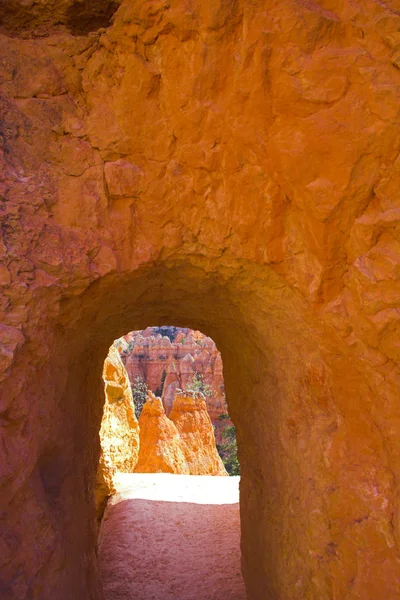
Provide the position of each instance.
(183, 443)
(160, 444)
(170, 363)
(119, 431)
(159, 528)
(232, 167)
(146, 355)
(192, 421)
(35, 18)
(105, 486)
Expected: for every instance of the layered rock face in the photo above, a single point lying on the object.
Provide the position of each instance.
(183, 443)
(232, 167)
(147, 355)
(169, 360)
(119, 431)
(192, 421)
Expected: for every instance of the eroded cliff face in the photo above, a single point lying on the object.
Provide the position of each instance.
(170, 363)
(232, 167)
(119, 431)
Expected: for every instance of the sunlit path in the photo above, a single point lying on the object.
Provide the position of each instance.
(172, 537)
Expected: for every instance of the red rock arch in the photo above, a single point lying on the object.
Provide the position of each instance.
(231, 168)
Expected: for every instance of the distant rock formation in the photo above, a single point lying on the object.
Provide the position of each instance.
(119, 432)
(160, 444)
(193, 423)
(168, 358)
(184, 443)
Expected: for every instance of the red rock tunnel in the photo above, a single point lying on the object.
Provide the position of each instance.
(228, 167)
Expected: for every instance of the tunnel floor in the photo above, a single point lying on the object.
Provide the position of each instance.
(172, 537)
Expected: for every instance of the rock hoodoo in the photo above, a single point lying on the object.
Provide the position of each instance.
(192, 421)
(233, 167)
(183, 443)
(168, 358)
(160, 444)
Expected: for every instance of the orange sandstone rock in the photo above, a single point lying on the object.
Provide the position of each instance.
(265, 214)
(183, 443)
(160, 444)
(105, 486)
(119, 432)
(192, 421)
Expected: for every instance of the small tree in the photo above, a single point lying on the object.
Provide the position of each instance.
(223, 417)
(198, 385)
(228, 449)
(139, 393)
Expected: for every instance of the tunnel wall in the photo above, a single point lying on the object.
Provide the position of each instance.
(231, 168)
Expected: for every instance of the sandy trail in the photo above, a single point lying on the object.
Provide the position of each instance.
(167, 537)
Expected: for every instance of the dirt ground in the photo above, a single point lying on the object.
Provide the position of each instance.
(167, 537)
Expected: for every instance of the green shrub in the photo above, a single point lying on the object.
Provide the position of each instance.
(139, 393)
(198, 385)
(228, 449)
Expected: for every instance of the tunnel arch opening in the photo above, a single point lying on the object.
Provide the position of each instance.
(245, 311)
(225, 195)
(163, 490)
(187, 296)
(184, 369)
(165, 408)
